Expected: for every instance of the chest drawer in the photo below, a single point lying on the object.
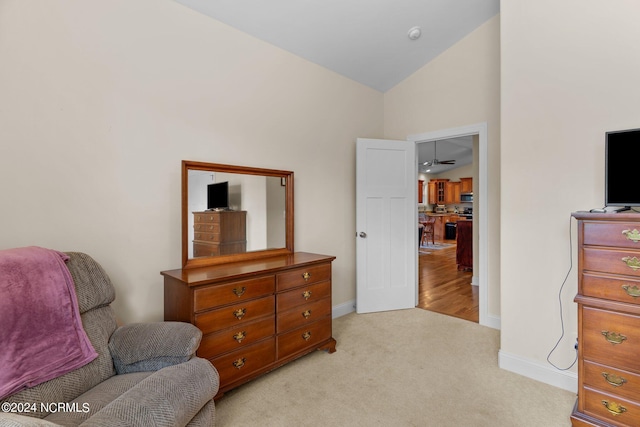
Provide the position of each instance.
(235, 338)
(612, 261)
(233, 366)
(303, 276)
(206, 217)
(305, 337)
(612, 408)
(611, 287)
(303, 295)
(610, 380)
(303, 314)
(217, 295)
(615, 234)
(611, 338)
(207, 227)
(235, 315)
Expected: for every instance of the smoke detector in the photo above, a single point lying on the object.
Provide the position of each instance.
(414, 33)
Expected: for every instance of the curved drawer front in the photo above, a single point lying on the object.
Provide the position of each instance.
(303, 295)
(236, 314)
(235, 338)
(239, 364)
(611, 287)
(303, 314)
(610, 380)
(611, 338)
(615, 234)
(303, 338)
(206, 217)
(610, 407)
(206, 227)
(612, 261)
(303, 276)
(229, 293)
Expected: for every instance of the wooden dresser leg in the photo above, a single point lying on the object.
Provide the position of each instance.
(330, 346)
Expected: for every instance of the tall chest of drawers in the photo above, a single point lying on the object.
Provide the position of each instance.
(254, 315)
(219, 233)
(608, 320)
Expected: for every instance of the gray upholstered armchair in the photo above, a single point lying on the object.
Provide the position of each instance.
(144, 375)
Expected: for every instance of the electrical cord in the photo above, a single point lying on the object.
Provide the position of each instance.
(560, 304)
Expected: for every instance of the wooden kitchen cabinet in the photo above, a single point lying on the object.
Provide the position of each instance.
(437, 190)
(420, 191)
(451, 193)
(466, 185)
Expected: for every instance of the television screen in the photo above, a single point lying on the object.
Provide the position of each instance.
(218, 195)
(621, 175)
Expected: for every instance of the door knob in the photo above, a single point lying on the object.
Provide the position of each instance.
(362, 234)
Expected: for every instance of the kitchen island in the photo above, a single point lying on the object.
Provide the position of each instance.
(441, 220)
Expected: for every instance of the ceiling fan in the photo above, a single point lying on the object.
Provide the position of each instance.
(435, 160)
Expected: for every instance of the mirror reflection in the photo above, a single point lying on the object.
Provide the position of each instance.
(232, 213)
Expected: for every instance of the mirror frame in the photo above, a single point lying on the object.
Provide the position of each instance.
(286, 176)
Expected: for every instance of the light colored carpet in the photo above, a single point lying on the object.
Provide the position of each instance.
(400, 368)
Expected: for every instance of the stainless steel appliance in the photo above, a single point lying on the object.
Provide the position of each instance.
(467, 213)
(466, 197)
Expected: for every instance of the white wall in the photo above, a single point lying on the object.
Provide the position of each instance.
(100, 101)
(569, 74)
(460, 87)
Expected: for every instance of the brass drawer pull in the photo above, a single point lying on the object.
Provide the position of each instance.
(240, 336)
(614, 408)
(306, 336)
(239, 291)
(614, 380)
(306, 276)
(306, 294)
(632, 291)
(633, 235)
(239, 363)
(614, 337)
(632, 262)
(306, 314)
(240, 313)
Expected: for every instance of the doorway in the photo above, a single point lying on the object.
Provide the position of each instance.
(480, 206)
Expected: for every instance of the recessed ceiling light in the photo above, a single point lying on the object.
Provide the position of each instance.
(414, 33)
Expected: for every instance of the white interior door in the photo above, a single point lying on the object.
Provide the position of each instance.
(386, 225)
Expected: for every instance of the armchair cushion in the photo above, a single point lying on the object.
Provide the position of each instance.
(139, 347)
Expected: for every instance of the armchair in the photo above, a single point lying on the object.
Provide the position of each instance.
(144, 375)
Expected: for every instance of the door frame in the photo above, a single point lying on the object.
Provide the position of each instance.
(482, 217)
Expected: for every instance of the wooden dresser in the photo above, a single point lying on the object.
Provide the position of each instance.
(254, 315)
(219, 233)
(608, 320)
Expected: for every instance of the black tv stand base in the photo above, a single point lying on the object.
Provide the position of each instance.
(622, 209)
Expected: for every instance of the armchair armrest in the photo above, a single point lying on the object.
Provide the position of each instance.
(141, 347)
(17, 420)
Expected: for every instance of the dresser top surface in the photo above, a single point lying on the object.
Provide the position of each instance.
(621, 216)
(203, 275)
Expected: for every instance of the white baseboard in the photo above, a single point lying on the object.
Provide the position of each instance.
(344, 308)
(547, 374)
(475, 281)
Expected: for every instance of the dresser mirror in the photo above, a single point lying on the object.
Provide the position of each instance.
(234, 213)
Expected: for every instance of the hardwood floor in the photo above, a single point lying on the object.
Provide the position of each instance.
(444, 289)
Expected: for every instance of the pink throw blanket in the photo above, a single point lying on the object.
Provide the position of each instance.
(41, 333)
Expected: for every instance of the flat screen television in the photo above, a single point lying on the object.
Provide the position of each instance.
(622, 188)
(218, 195)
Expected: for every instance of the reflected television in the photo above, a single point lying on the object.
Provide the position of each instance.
(621, 173)
(218, 196)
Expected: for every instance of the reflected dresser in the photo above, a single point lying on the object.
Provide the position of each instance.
(219, 233)
(608, 301)
(255, 315)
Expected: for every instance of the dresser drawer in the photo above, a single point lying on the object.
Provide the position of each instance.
(303, 314)
(234, 292)
(611, 288)
(610, 380)
(305, 337)
(204, 249)
(206, 236)
(303, 295)
(235, 338)
(207, 227)
(612, 261)
(206, 217)
(303, 276)
(615, 234)
(599, 327)
(627, 413)
(239, 364)
(235, 315)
